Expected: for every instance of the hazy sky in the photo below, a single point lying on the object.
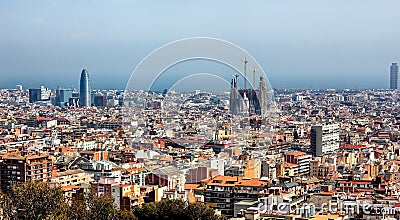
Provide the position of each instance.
(341, 43)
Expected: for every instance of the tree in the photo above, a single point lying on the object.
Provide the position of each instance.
(32, 200)
(146, 212)
(201, 211)
(77, 209)
(5, 207)
(89, 206)
(168, 209)
(124, 215)
(102, 208)
(175, 209)
(37, 200)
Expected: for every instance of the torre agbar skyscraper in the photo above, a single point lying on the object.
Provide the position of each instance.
(394, 76)
(84, 89)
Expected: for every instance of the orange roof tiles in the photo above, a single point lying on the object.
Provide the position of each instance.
(236, 181)
(252, 182)
(290, 165)
(43, 119)
(191, 186)
(352, 147)
(296, 153)
(69, 187)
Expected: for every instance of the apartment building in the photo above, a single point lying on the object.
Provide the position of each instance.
(222, 192)
(324, 139)
(72, 177)
(301, 159)
(15, 168)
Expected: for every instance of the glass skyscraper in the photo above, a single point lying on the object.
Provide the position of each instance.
(39, 94)
(63, 96)
(394, 76)
(84, 89)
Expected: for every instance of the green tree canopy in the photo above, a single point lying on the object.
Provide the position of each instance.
(35, 200)
(32, 200)
(175, 210)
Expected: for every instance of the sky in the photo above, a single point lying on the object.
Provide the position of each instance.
(299, 44)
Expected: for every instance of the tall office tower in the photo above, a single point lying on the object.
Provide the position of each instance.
(324, 139)
(394, 75)
(84, 89)
(100, 100)
(39, 94)
(63, 97)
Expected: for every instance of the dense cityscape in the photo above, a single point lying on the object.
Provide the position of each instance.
(199, 110)
(248, 153)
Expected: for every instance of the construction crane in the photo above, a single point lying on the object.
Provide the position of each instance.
(245, 73)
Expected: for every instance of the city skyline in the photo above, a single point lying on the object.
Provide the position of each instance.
(218, 110)
(350, 45)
